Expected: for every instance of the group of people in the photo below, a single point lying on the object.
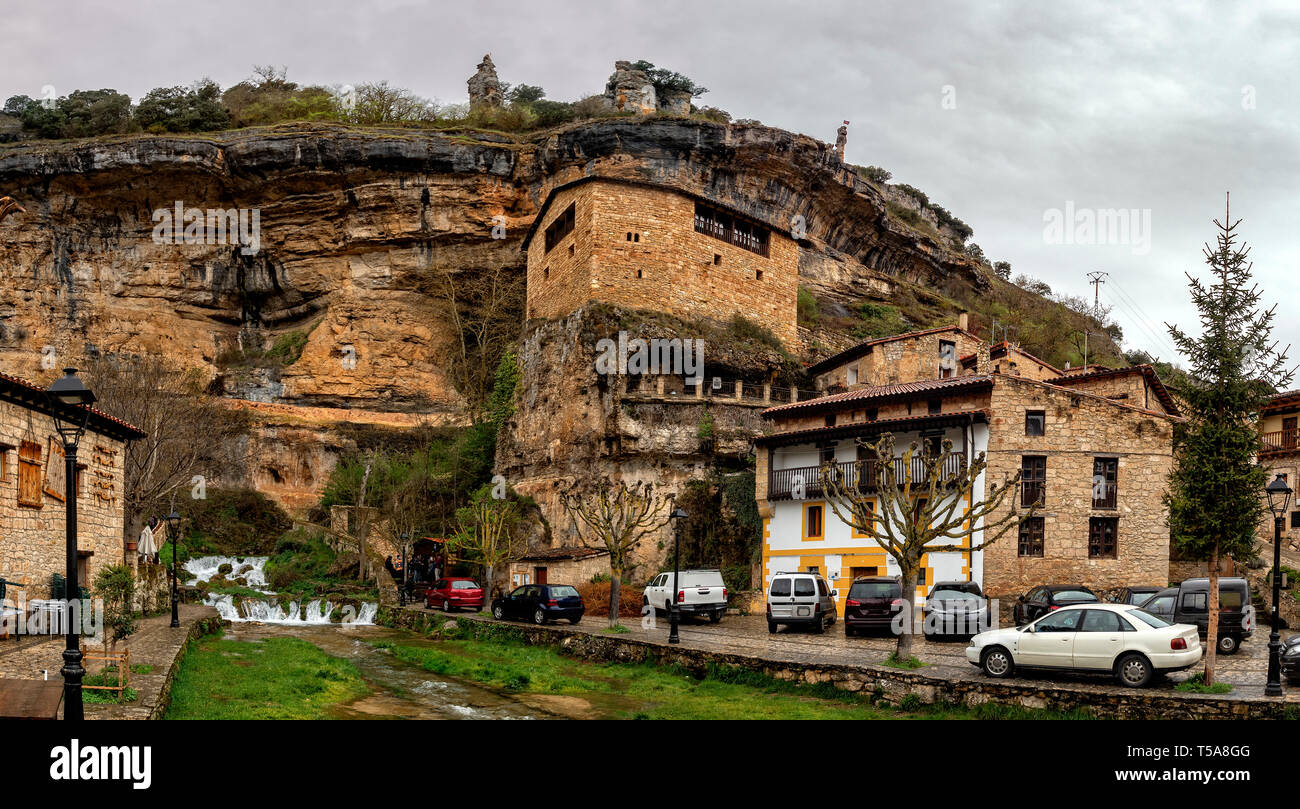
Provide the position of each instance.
(423, 568)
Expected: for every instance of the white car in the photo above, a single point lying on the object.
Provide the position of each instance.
(1127, 641)
(702, 593)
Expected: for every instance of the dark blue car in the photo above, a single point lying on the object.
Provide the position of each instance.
(540, 603)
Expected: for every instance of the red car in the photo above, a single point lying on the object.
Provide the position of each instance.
(453, 594)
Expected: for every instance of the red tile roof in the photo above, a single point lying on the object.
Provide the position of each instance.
(35, 394)
(878, 426)
(902, 390)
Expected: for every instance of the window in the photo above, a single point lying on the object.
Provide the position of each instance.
(629, 237)
(804, 587)
(1035, 422)
(851, 375)
(721, 225)
(826, 452)
(870, 507)
(830, 420)
(934, 406)
(812, 521)
(1105, 489)
(570, 250)
(1196, 602)
(758, 275)
(717, 260)
(920, 576)
(781, 587)
(1067, 621)
(1031, 537)
(29, 474)
(1101, 537)
(1101, 621)
(872, 413)
(1295, 515)
(947, 359)
(561, 226)
(1033, 480)
(636, 237)
(638, 273)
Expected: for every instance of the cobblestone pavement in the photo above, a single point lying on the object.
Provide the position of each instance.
(1246, 671)
(154, 644)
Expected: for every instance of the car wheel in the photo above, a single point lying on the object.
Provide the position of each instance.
(446, 605)
(849, 631)
(1134, 670)
(575, 621)
(1229, 644)
(819, 626)
(497, 612)
(715, 616)
(771, 627)
(539, 617)
(997, 663)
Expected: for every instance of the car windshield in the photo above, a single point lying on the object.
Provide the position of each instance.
(1062, 596)
(1138, 598)
(953, 595)
(562, 591)
(1148, 618)
(874, 589)
(464, 585)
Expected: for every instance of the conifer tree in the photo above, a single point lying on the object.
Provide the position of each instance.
(1216, 489)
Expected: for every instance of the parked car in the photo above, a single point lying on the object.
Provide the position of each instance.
(540, 603)
(1131, 643)
(1189, 603)
(453, 594)
(800, 599)
(1135, 596)
(955, 608)
(1291, 659)
(1048, 598)
(873, 603)
(702, 592)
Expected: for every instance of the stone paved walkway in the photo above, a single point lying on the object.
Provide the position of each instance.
(1246, 671)
(155, 644)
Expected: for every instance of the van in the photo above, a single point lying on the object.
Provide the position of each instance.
(702, 593)
(1189, 603)
(800, 599)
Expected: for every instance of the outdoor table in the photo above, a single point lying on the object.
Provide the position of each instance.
(30, 699)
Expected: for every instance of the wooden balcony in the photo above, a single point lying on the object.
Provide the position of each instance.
(1280, 442)
(863, 476)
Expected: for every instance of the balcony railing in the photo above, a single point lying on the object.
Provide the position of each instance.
(1282, 441)
(863, 476)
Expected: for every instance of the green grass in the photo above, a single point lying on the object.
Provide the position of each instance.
(648, 691)
(896, 662)
(1196, 685)
(276, 678)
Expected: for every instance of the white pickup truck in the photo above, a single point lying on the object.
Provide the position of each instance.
(702, 593)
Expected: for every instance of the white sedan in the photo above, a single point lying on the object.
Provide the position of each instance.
(1127, 641)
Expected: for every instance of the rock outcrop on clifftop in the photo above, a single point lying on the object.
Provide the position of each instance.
(356, 224)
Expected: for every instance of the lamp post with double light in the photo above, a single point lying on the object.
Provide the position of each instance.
(1279, 497)
(677, 516)
(70, 403)
(173, 534)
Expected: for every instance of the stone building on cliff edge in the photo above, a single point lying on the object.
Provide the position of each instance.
(32, 543)
(1095, 446)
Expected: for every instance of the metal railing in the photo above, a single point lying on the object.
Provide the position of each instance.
(862, 476)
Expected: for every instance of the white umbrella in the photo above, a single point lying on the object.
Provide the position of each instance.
(146, 547)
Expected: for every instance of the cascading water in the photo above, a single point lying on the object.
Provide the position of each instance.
(249, 571)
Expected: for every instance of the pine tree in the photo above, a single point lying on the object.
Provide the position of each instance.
(1216, 489)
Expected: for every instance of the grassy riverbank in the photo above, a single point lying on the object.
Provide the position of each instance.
(275, 678)
(645, 691)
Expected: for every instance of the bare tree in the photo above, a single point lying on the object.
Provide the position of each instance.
(483, 308)
(616, 519)
(918, 504)
(190, 436)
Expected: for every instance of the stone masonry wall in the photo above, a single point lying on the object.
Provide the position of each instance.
(908, 360)
(636, 246)
(32, 540)
(1132, 387)
(1080, 428)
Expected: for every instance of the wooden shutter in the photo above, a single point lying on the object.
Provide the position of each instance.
(29, 474)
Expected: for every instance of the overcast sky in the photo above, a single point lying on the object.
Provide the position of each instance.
(1000, 112)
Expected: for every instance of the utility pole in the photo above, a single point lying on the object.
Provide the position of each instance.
(1096, 278)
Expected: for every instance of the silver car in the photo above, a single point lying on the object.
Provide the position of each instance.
(800, 598)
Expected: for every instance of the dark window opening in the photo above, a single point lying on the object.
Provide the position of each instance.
(1033, 480)
(570, 249)
(1101, 537)
(1031, 537)
(758, 275)
(830, 420)
(717, 260)
(1105, 485)
(721, 225)
(636, 237)
(561, 227)
(825, 453)
(1295, 519)
(1035, 422)
(934, 405)
(638, 273)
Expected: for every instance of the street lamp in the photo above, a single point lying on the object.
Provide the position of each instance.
(70, 406)
(677, 516)
(173, 533)
(402, 595)
(1279, 496)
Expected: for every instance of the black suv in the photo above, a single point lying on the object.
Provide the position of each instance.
(1189, 603)
(1049, 597)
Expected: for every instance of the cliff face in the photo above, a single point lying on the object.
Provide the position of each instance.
(356, 228)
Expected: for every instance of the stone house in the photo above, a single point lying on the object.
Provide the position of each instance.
(1280, 453)
(645, 246)
(562, 565)
(32, 490)
(1096, 449)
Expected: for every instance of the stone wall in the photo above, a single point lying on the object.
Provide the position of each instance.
(1079, 429)
(32, 541)
(1129, 388)
(893, 361)
(636, 246)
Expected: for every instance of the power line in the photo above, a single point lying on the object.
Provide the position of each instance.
(1158, 343)
(1162, 333)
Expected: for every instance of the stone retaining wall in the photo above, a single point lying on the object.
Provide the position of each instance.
(889, 685)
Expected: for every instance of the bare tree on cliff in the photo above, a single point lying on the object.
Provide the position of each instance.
(616, 519)
(916, 501)
(189, 433)
(1216, 489)
(483, 308)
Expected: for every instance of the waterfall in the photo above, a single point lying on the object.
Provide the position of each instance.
(248, 569)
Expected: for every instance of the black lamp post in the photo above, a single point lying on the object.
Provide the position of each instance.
(70, 404)
(402, 595)
(1279, 496)
(173, 533)
(677, 516)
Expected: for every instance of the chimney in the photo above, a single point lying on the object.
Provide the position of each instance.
(963, 321)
